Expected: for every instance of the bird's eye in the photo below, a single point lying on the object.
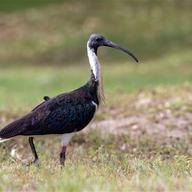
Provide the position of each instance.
(98, 39)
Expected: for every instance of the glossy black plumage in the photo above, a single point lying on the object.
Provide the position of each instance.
(66, 113)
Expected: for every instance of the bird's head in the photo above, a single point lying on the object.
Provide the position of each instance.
(97, 40)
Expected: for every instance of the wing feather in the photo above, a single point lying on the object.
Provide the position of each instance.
(65, 113)
(21, 126)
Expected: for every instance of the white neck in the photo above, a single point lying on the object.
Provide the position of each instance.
(94, 63)
(96, 69)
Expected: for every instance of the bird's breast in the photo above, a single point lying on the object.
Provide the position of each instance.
(71, 117)
(79, 116)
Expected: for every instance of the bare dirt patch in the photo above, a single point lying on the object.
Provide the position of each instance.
(161, 114)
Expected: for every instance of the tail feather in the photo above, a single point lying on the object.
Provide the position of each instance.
(26, 125)
(11, 130)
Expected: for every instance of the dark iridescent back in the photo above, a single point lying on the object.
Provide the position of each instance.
(66, 113)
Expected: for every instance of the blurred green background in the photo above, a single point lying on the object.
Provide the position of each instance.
(43, 45)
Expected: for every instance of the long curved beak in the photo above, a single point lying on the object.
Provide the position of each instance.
(115, 46)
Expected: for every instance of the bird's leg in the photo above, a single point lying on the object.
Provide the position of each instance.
(33, 150)
(65, 140)
(62, 155)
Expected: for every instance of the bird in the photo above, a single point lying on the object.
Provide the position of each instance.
(66, 113)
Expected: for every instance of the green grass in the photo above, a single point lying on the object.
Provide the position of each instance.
(55, 32)
(20, 5)
(101, 166)
(26, 85)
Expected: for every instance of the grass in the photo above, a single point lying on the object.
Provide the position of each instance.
(19, 5)
(101, 167)
(55, 32)
(35, 82)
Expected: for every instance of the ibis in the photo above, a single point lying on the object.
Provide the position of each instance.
(66, 113)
